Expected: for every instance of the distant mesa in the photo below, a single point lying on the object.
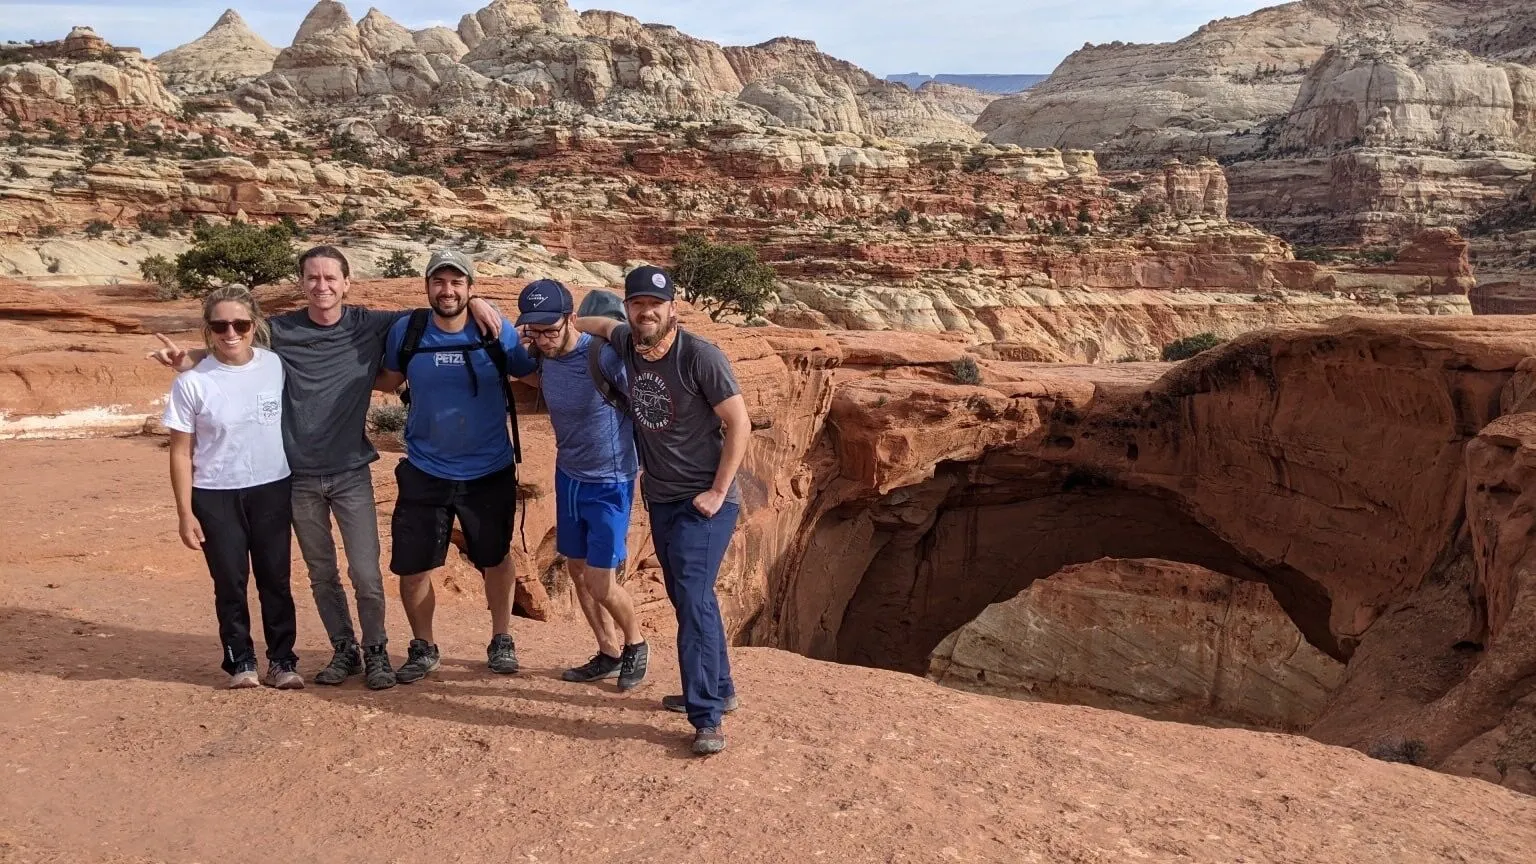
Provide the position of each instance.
(999, 84)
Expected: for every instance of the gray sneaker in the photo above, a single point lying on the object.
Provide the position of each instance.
(600, 668)
(632, 665)
(380, 676)
(676, 703)
(708, 741)
(501, 655)
(346, 662)
(244, 678)
(283, 677)
(420, 658)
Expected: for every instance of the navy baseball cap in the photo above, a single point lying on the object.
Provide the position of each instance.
(648, 282)
(543, 302)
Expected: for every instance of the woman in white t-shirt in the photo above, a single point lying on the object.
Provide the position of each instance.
(232, 485)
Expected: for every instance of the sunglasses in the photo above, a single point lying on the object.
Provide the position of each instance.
(241, 325)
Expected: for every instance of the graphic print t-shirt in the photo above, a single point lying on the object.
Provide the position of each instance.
(457, 425)
(673, 402)
(235, 414)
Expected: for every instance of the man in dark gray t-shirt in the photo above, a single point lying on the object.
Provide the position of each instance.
(692, 429)
(331, 355)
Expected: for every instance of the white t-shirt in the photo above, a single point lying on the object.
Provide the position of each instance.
(235, 414)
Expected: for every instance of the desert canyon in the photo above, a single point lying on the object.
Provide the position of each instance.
(1008, 586)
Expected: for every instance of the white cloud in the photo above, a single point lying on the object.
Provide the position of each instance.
(884, 36)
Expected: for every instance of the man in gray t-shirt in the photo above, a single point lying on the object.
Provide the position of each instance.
(692, 429)
(331, 355)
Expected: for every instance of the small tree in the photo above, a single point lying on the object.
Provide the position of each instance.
(1189, 346)
(97, 227)
(722, 279)
(398, 265)
(237, 253)
(903, 217)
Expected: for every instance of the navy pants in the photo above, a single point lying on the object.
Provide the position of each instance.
(690, 547)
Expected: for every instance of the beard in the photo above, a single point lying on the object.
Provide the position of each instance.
(663, 330)
(449, 307)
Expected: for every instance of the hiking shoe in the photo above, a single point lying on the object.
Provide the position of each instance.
(282, 677)
(501, 655)
(601, 666)
(676, 703)
(708, 741)
(380, 676)
(420, 658)
(632, 665)
(243, 678)
(345, 662)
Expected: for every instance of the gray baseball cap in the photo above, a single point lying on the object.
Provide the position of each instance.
(451, 258)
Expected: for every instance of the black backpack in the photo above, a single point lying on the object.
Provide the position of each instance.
(411, 344)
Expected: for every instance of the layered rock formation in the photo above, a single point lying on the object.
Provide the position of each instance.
(934, 501)
(80, 79)
(1152, 637)
(1340, 120)
(228, 55)
(521, 54)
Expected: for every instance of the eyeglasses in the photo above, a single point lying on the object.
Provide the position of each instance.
(546, 332)
(241, 325)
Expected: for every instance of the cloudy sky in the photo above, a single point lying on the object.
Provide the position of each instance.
(884, 36)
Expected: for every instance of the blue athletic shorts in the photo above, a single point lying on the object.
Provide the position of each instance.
(592, 519)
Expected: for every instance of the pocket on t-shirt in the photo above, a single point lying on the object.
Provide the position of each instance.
(269, 407)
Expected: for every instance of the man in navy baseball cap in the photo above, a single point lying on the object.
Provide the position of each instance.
(649, 282)
(544, 303)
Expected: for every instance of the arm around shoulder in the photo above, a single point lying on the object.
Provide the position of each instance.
(597, 325)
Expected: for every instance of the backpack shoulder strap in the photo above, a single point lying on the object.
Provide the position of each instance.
(606, 387)
(498, 354)
(414, 330)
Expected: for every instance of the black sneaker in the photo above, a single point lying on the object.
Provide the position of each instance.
(708, 741)
(380, 675)
(600, 667)
(676, 703)
(420, 659)
(501, 655)
(347, 661)
(632, 665)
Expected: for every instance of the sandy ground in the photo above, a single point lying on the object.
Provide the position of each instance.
(121, 748)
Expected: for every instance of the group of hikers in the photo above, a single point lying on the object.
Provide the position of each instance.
(268, 428)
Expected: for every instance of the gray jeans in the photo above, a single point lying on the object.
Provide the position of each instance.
(350, 496)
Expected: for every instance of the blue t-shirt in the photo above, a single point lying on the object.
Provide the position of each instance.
(457, 427)
(592, 442)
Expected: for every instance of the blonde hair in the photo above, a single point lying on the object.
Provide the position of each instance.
(261, 333)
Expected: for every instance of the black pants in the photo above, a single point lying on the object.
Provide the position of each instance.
(245, 530)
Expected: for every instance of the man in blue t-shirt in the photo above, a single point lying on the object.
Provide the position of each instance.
(459, 459)
(594, 474)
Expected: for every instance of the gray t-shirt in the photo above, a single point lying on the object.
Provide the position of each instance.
(330, 372)
(673, 401)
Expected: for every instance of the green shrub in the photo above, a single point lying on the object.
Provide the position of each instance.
(1189, 346)
(965, 370)
(387, 419)
(722, 279)
(97, 227)
(398, 265)
(161, 271)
